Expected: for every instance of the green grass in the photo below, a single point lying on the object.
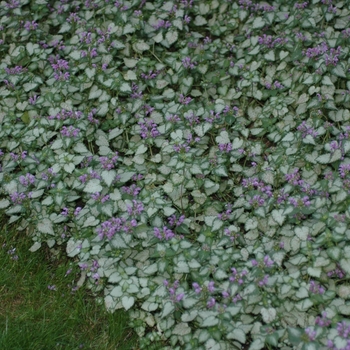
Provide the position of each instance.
(34, 317)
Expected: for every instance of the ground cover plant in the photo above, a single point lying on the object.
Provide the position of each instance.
(192, 157)
(42, 308)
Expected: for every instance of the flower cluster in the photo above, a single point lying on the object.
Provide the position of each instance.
(300, 202)
(311, 333)
(185, 100)
(113, 226)
(237, 277)
(92, 175)
(323, 321)
(150, 75)
(197, 288)
(257, 201)
(77, 211)
(30, 25)
(92, 52)
(135, 209)
(226, 214)
(338, 273)
(65, 211)
(255, 183)
(188, 63)
(269, 42)
(12, 4)
(300, 5)
(346, 33)
(343, 329)
(15, 70)
(162, 24)
(174, 296)
(61, 67)
(136, 94)
(17, 198)
(212, 117)
(344, 170)
(307, 130)
(187, 3)
(27, 180)
(225, 147)
(181, 148)
(278, 85)
(330, 55)
(98, 197)
(110, 162)
(17, 157)
(73, 17)
(316, 288)
(132, 190)
(316, 51)
(301, 36)
(267, 262)
(137, 177)
(332, 9)
(70, 131)
(48, 175)
(148, 129)
(192, 118)
(263, 281)
(86, 161)
(233, 235)
(65, 114)
(294, 177)
(164, 234)
(173, 118)
(91, 118)
(174, 221)
(32, 100)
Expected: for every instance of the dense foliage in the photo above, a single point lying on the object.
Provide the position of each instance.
(192, 156)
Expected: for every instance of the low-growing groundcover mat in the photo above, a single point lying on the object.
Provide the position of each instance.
(192, 157)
